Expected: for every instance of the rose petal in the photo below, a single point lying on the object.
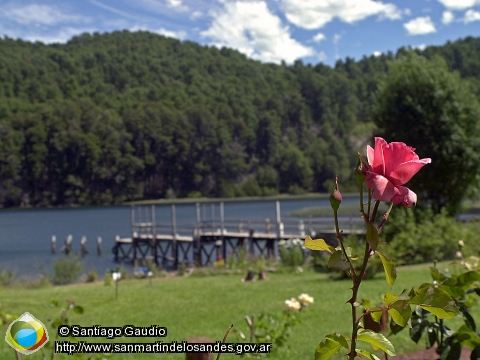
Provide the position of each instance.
(404, 172)
(377, 163)
(383, 189)
(405, 196)
(370, 155)
(395, 154)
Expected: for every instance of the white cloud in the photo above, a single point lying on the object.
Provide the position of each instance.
(253, 30)
(177, 5)
(420, 47)
(319, 37)
(420, 26)
(459, 4)
(196, 14)
(322, 56)
(61, 36)
(41, 15)
(407, 11)
(377, 53)
(161, 31)
(447, 17)
(471, 15)
(336, 38)
(310, 14)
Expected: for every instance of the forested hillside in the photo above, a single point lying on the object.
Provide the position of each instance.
(123, 116)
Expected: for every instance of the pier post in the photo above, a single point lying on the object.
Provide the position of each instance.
(99, 246)
(153, 245)
(68, 244)
(301, 228)
(83, 243)
(212, 208)
(197, 248)
(197, 213)
(222, 228)
(132, 219)
(251, 240)
(280, 228)
(174, 238)
(54, 244)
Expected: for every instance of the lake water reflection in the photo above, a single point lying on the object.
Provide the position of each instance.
(25, 235)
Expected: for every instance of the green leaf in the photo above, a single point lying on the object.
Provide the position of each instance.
(372, 236)
(348, 250)
(342, 340)
(318, 244)
(467, 337)
(431, 338)
(439, 275)
(400, 311)
(418, 327)
(451, 352)
(389, 298)
(376, 341)
(367, 354)
(78, 309)
(336, 261)
(395, 328)
(436, 301)
(327, 348)
(389, 267)
(469, 321)
(453, 291)
(366, 303)
(475, 290)
(376, 314)
(468, 277)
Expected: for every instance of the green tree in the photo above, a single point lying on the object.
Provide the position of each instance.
(431, 109)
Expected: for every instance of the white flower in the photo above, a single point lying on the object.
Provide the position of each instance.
(305, 299)
(292, 305)
(461, 243)
(116, 276)
(458, 254)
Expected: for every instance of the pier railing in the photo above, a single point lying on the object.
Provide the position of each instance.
(178, 241)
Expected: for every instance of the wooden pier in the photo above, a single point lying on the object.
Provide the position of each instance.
(209, 240)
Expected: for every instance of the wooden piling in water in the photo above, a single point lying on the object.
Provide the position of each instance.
(99, 246)
(68, 244)
(54, 244)
(83, 243)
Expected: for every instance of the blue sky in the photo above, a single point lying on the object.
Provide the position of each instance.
(266, 30)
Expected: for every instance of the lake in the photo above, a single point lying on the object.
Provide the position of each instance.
(25, 234)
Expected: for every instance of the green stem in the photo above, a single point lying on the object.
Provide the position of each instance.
(369, 203)
(375, 210)
(340, 240)
(355, 288)
(361, 201)
(441, 333)
(385, 217)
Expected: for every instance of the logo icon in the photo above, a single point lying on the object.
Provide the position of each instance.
(26, 334)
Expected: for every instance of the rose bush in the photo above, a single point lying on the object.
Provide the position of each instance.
(391, 166)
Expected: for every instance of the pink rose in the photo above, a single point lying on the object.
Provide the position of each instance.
(391, 166)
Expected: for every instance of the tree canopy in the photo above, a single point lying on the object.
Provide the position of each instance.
(112, 117)
(433, 110)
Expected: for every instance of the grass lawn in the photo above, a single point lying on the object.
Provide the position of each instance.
(206, 306)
